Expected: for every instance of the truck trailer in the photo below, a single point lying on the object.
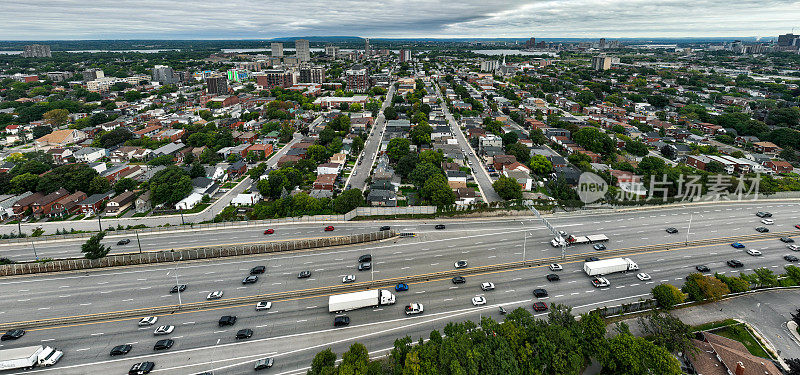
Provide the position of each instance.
(28, 357)
(357, 300)
(577, 240)
(607, 266)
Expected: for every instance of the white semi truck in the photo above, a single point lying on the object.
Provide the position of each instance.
(28, 357)
(577, 240)
(357, 300)
(607, 266)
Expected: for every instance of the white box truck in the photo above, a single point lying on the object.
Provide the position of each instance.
(28, 357)
(357, 300)
(607, 266)
(577, 240)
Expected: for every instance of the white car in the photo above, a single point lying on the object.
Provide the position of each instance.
(768, 221)
(793, 247)
(148, 321)
(556, 267)
(600, 282)
(263, 305)
(217, 294)
(348, 279)
(643, 276)
(754, 252)
(414, 308)
(487, 286)
(478, 300)
(164, 330)
(460, 264)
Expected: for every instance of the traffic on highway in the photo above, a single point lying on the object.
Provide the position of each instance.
(281, 336)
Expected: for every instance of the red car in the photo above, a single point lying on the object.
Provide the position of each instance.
(329, 228)
(269, 231)
(797, 226)
(539, 306)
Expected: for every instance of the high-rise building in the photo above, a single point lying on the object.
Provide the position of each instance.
(489, 65)
(311, 74)
(36, 50)
(405, 55)
(332, 52)
(275, 78)
(217, 85)
(357, 79)
(303, 52)
(164, 75)
(367, 49)
(601, 43)
(786, 40)
(276, 49)
(601, 62)
(530, 43)
(92, 74)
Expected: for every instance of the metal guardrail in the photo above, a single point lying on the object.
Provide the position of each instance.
(323, 291)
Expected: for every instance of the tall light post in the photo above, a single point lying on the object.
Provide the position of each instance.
(34, 250)
(524, 244)
(177, 285)
(689, 229)
(138, 242)
(213, 354)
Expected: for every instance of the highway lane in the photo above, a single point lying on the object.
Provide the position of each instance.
(481, 243)
(291, 326)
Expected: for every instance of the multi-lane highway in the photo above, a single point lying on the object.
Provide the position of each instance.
(294, 330)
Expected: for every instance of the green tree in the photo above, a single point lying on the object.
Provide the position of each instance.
(423, 172)
(170, 185)
(510, 138)
(520, 151)
(437, 191)
(735, 284)
(24, 182)
(507, 188)
(99, 184)
(397, 148)
(704, 288)
(668, 295)
(390, 113)
(667, 331)
(540, 165)
(93, 249)
(636, 148)
(324, 363)
(317, 153)
(421, 133)
(354, 361)
(197, 170)
(56, 117)
(125, 184)
(629, 355)
(41, 131)
(766, 278)
(340, 123)
(348, 200)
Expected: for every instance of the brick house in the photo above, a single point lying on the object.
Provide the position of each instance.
(43, 206)
(779, 166)
(94, 203)
(68, 205)
(325, 182)
(768, 148)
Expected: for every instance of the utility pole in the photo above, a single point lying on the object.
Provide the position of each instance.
(98, 223)
(182, 222)
(34, 249)
(138, 242)
(689, 229)
(19, 227)
(213, 353)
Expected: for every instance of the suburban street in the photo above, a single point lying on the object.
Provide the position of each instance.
(293, 330)
(372, 145)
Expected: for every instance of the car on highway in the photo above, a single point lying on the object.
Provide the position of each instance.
(141, 368)
(163, 330)
(539, 306)
(263, 364)
(599, 247)
(148, 321)
(754, 252)
(787, 240)
(250, 279)
(643, 276)
(592, 259)
(121, 349)
(762, 229)
(401, 287)
(12, 334)
(763, 214)
(734, 263)
(439, 226)
(767, 221)
(244, 334)
(553, 277)
(459, 280)
(263, 305)
(737, 245)
(258, 270)
(341, 321)
(478, 300)
(178, 288)
(599, 282)
(123, 241)
(269, 231)
(414, 308)
(486, 286)
(702, 268)
(539, 293)
(385, 227)
(555, 267)
(460, 264)
(304, 274)
(790, 258)
(365, 258)
(163, 344)
(672, 230)
(793, 247)
(797, 226)
(217, 294)
(329, 228)
(227, 320)
(348, 279)
(365, 266)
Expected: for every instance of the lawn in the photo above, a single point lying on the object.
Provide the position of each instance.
(736, 331)
(141, 214)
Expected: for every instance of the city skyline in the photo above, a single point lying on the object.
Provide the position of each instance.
(36, 20)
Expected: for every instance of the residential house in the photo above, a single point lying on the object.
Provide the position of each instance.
(498, 161)
(382, 198)
(127, 153)
(325, 182)
(522, 177)
(767, 148)
(143, 203)
(43, 206)
(94, 203)
(189, 202)
(7, 204)
(456, 179)
(61, 138)
(236, 169)
(465, 196)
(60, 155)
(204, 186)
(246, 199)
(329, 168)
(120, 203)
(569, 174)
(68, 205)
(20, 206)
(717, 355)
(260, 149)
(779, 166)
(89, 154)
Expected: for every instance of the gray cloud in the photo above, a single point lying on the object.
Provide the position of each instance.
(214, 19)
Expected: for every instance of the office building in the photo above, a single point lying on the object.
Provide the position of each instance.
(357, 80)
(270, 79)
(92, 74)
(276, 49)
(164, 75)
(303, 52)
(217, 85)
(36, 50)
(332, 52)
(489, 65)
(237, 75)
(367, 49)
(530, 43)
(786, 40)
(312, 74)
(601, 62)
(405, 55)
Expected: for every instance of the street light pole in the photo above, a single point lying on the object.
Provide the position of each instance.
(688, 229)
(214, 353)
(34, 250)
(524, 245)
(138, 242)
(98, 223)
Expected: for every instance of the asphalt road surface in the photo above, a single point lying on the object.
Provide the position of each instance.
(358, 178)
(296, 329)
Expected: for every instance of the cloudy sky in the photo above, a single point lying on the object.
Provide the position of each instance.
(254, 19)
